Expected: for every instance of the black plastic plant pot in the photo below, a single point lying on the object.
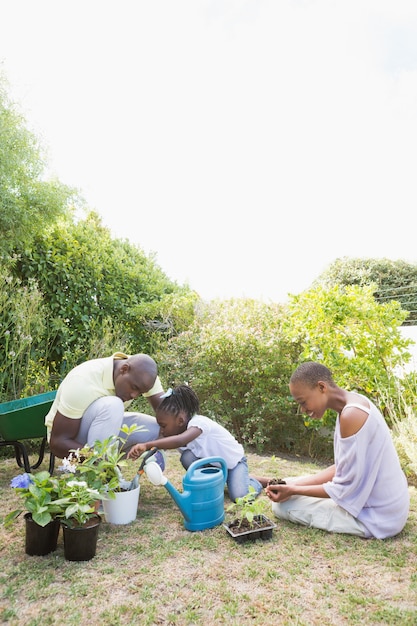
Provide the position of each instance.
(40, 540)
(80, 542)
(262, 529)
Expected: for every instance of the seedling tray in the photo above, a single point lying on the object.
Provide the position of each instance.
(242, 536)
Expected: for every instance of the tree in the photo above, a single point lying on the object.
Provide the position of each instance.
(28, 202)
(352, 334)
(88, 279)
(393, 280)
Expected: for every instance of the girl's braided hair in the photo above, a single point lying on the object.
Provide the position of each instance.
(181, 398)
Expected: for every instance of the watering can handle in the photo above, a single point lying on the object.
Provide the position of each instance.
(208, 460)
(145, 457)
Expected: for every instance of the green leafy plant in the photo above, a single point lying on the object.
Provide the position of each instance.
(77, 501)
(101, 466)
(81, 256)
(46, 498)
(356, 337)
(29, 201)
(405, 441)
(402, 414)
(248, 508)
(40, 493)
(22, 324)
(393, 280)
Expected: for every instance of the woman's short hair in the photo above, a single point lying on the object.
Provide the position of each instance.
(310, 373)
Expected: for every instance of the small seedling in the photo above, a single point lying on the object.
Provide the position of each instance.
(247, 507)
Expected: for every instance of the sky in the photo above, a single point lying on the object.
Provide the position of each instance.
(247, 144)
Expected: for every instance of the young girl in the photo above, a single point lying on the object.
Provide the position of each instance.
(198, 437)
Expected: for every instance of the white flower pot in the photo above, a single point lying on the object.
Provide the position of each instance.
(123, 509)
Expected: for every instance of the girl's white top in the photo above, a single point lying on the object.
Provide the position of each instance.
(214, 440)
(369, 482)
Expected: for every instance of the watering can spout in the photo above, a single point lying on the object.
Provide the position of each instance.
(182, 500)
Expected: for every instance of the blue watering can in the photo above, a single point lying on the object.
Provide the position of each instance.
(202, 501)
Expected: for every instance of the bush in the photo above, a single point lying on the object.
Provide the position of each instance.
(22, 316)
(88, 278)
(347, 330)
(237, 358)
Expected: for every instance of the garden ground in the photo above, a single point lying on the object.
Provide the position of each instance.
(154, 572)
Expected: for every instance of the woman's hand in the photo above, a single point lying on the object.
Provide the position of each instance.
(279, 493)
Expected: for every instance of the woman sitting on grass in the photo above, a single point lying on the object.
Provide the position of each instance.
(365, 492)
(198, 437)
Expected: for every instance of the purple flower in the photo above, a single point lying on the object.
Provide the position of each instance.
(22, 481)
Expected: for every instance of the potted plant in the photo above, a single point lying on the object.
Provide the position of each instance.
(249, 522)
(101, 466)
(40, 494)
(78, 517)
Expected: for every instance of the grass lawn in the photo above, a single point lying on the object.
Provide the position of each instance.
(154, 572)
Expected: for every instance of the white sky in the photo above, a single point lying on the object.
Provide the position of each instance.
(248, 143)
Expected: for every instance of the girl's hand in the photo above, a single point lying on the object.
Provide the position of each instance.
(136, 451)
(278, 493)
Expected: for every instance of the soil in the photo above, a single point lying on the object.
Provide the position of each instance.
(92, 521)
(242, 525)
(276, 481)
